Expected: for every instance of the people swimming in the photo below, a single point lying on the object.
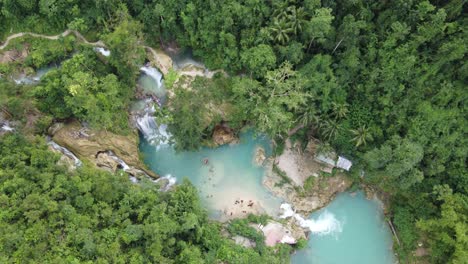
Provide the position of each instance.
(205, 161)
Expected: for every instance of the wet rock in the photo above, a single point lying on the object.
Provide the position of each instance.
(222, 134)
(64, 160)
(159, 59)
(88, 143)
(259, 156)
(105, 161)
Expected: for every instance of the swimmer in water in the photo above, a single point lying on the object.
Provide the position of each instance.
(205, 161)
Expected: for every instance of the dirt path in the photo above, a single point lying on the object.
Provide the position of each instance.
(161, 59)
(54, 37)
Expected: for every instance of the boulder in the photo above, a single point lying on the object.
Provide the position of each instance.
(259, 156)
(105, 161)
(88, 144)
(222, 134)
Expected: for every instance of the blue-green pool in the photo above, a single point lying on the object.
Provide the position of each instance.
(360, 237)
(229, 176)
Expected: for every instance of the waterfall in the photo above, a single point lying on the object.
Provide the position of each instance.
(122, 163)
(103, 51)
(7, 127)
(171, 180)
(153, 132)
(325, 224)
(24, 79)
(64, 151)
(153, 73)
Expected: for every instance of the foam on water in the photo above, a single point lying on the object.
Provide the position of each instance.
(155, 83)
(325, 224)
(360, 236)
(154, 133)
(103, 51)
(171, 181)
(65, 152)
(6, 127)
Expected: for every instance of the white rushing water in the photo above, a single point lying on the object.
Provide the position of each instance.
(103, 51)
(153, 132)
(125, 167)
(34, 79)
(65, 152)
(153, 73)
(6, 127)
(325, 224)
(171, 181)
(122, 163)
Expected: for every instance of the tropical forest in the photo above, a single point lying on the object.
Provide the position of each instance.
(234, 131)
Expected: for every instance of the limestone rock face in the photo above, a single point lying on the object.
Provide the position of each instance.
(105, 161)
(223, 135)
(259, 156)
(159, 59)
(91, 144)
(322, 192)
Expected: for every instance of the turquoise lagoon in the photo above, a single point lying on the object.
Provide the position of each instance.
(360, 235)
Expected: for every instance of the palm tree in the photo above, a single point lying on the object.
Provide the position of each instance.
(340, 110)
(295, 17)
(330, 129)
(280, 30)
(361, 135)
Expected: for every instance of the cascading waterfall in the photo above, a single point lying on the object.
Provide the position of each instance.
(122, 163)
(6, 127)
(65, 152)
(153, 132)
(153, 73)
(34, 79)
(325, 224)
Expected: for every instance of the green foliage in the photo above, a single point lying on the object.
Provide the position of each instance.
(395, 164)
(51, 215)
(258, 60)
(272, 105)
(81, 88)
(127, 55)
(194, 112)
(301, 243)
(309, 183)
(44, 52)
(393, 71)
(241, 227)
(448, 232)
(284, 177)
(170, 78)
